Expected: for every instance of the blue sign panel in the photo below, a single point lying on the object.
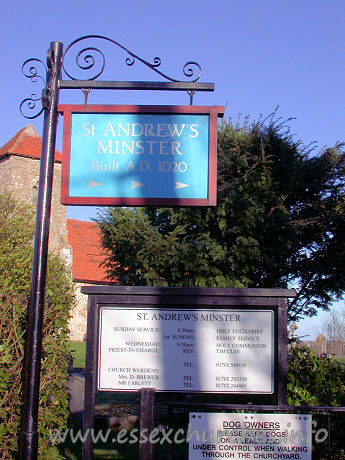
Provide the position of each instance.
(139, 156)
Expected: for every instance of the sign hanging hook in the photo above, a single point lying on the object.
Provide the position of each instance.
(191, 93)
(86, 91)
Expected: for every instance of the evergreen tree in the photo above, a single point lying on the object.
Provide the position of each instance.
(279, 222)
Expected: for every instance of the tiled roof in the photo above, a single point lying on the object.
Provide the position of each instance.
(88, 253)
(26, 143)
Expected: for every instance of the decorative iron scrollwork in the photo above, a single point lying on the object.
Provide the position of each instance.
(85, 59)
(30, 104)
(30, 70)
(88, 58)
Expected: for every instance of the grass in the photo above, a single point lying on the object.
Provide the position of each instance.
(78, 352)
(106, 448)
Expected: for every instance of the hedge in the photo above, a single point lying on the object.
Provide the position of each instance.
(16, 237)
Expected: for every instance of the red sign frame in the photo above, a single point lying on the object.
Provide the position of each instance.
(68, 110)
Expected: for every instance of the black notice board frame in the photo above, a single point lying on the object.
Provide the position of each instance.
(101, 296)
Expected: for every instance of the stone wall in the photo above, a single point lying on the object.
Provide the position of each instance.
(5, 174)
(78, 319)
(20, 176)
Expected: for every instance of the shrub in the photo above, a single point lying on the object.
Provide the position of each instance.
(16, 236)
(314, 381)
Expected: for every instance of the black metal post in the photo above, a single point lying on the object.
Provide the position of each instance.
(29, 440)
(281, 359)
(147, 399)
(90, 377)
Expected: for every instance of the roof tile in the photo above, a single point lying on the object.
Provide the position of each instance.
(88, 252)
(26, 143)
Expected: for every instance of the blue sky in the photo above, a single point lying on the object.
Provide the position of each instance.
(260, 55)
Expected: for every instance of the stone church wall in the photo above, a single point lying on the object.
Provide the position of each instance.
(20, 176)
(78, 320)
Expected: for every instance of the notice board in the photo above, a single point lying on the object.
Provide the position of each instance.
(189, 350)
(187, 340)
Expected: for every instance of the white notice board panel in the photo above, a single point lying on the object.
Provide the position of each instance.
(190, 350)
(251, 436)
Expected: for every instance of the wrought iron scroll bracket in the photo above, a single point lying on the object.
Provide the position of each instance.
(30, 70)
(28, 107)
(85, 59)
(89, 58)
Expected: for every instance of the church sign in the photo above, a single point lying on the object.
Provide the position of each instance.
(139, 155)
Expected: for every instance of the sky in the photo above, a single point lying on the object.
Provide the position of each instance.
(259, 54)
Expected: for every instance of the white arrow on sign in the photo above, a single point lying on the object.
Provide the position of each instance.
(136, 184)
(180, 185)
(93, 184)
